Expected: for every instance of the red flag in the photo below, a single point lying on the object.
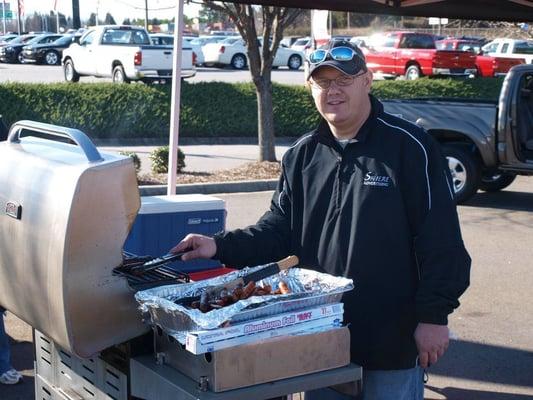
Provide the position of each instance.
(21, 7)
(55, 5)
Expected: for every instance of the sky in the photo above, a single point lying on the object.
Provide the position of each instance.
(119, 9)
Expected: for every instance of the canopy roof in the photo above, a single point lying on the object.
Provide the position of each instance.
(497, 10)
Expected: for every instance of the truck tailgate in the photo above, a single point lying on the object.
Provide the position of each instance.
(502, 65)
(454, 59)
(157, 57)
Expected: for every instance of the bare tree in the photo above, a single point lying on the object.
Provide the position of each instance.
(273, 21)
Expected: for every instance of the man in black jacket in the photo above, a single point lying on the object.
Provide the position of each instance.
(368, 196)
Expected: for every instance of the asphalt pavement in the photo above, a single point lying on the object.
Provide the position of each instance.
(31, 73)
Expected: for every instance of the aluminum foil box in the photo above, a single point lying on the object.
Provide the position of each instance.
(308, 289)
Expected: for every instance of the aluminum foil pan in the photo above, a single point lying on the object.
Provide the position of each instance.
(308, 288)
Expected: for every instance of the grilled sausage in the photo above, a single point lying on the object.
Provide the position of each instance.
(248, 290)
(237, 294)
(284, 289)
(204, 302)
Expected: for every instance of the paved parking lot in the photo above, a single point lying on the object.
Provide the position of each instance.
(51, 74)
(492, 357)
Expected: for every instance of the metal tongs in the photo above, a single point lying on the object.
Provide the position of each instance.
(156, 262)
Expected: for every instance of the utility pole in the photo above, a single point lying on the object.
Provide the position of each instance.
(19, 23)
(146, 15)
(57, 16)
(348, 20)
(331, 24)
(4, 15)
(76, 23)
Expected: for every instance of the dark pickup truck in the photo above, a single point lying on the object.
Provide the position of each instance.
(486, 144)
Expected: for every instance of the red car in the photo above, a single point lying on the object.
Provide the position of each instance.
(487, 66)
(412, 55)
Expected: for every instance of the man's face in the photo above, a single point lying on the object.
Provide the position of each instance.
(341, 106)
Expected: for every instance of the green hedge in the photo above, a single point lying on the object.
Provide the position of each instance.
(207, 109)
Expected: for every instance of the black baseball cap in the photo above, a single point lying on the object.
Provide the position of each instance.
(350, 67)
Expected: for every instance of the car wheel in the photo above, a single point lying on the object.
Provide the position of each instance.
(295, 62)
(238, 61)
(465, 170)
(119, 76)
(412, 72)
(70, 72)
(491, 182)
(20, 58)
(51, 58)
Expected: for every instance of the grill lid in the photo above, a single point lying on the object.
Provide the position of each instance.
(65, 212)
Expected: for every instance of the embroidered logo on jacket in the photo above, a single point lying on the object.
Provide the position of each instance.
(371, 179)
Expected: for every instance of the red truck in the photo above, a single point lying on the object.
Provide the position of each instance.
(487, 66)
(413, 55)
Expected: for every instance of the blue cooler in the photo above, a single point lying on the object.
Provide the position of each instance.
(164, 220)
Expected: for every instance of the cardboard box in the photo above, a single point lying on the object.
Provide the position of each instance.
(264, 324)
(196, 347)
(266, 361)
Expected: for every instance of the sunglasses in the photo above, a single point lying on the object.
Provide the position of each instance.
(340, 53)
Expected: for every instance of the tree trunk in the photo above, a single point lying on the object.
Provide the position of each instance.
(265, 119)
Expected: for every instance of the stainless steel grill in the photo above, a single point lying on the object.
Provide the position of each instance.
(65, 212)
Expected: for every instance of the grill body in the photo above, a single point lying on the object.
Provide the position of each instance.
(65, 212)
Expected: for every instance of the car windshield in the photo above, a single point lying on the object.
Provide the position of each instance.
(444, 45)
(62, 41)
(301, 42)
(523, 48)
(35, 39)
(379, 40)
(7, 38)
(125, 36)
(469, 46)
(164, 40)
(21, 39)
(229, 40)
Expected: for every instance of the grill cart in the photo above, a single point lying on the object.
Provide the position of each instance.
(67, 210)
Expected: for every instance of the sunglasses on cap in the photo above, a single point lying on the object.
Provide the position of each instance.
(340, 53)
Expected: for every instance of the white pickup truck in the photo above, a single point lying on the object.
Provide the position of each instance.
(123, 53)
(512, 48)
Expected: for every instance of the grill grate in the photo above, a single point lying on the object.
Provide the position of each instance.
(159, 276)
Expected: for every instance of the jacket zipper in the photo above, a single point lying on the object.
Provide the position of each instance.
(338, 200)
(418, 267)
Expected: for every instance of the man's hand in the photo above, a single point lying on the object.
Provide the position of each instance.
(432, 341)
(196, 246)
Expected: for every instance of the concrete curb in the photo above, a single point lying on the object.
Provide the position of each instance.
(210, 188)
